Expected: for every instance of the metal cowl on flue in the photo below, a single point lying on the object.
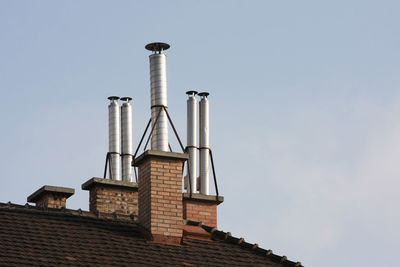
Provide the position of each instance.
(158, 84)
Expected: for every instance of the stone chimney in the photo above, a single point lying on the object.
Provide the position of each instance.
(108, 196)
(51, 196)
(160, 194)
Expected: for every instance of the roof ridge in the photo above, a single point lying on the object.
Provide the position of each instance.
(114, 217)
(228, 238)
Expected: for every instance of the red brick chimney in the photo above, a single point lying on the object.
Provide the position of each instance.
(160, 194)
(201, 208)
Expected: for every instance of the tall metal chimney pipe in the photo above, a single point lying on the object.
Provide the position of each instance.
(204, 144)
(114, 137)
(192, 139)
(126, 125)
(158, 81)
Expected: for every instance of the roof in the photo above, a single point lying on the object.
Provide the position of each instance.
(47, 237)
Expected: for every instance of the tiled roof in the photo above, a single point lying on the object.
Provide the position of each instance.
(48, 237)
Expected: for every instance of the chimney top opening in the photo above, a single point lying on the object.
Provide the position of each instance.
(191, 93)
(157, 47)
(113, 98)
(203, 94)
(126, 98)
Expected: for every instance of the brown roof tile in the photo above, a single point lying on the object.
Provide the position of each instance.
(49, 237)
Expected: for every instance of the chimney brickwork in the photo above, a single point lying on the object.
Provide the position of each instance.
(51, 196)
(51, 201)
(201, 208)
(160, 194)
(109, 196)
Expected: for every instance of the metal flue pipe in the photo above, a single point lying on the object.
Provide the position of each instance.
(204, 144)
(114, 137)
(192, 139)
(158, 82)
(126, 125)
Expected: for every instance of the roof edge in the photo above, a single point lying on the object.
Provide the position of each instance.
(228, 238)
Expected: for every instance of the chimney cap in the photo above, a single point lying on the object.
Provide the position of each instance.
(95, 181)
(203, 198)
(157, 47)
(113, 97)
(205, 94)
(160, 154)
(63, 191)
(126, 98)
(191, 92)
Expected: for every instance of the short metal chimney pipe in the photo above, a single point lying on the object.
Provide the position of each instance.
(192, 142)
(114, 137)
(204, 131)
(126, 142)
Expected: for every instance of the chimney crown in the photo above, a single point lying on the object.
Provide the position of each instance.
(51, 196)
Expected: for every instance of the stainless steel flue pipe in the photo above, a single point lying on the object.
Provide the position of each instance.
(204, 131)
(114, 137)
(192, 139)
(158, 82)
(126, 142)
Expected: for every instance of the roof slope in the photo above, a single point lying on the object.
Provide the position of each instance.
(32, 236)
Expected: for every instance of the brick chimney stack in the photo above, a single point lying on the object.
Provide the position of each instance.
(51, 196)
(108, 196)
(160, 194)
(201, 208)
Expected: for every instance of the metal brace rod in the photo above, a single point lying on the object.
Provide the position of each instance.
(108, 162)
(213, 169)
(141, 139)
(173, 127)
(152, 128)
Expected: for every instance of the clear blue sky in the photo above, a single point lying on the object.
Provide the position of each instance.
(304, 97)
